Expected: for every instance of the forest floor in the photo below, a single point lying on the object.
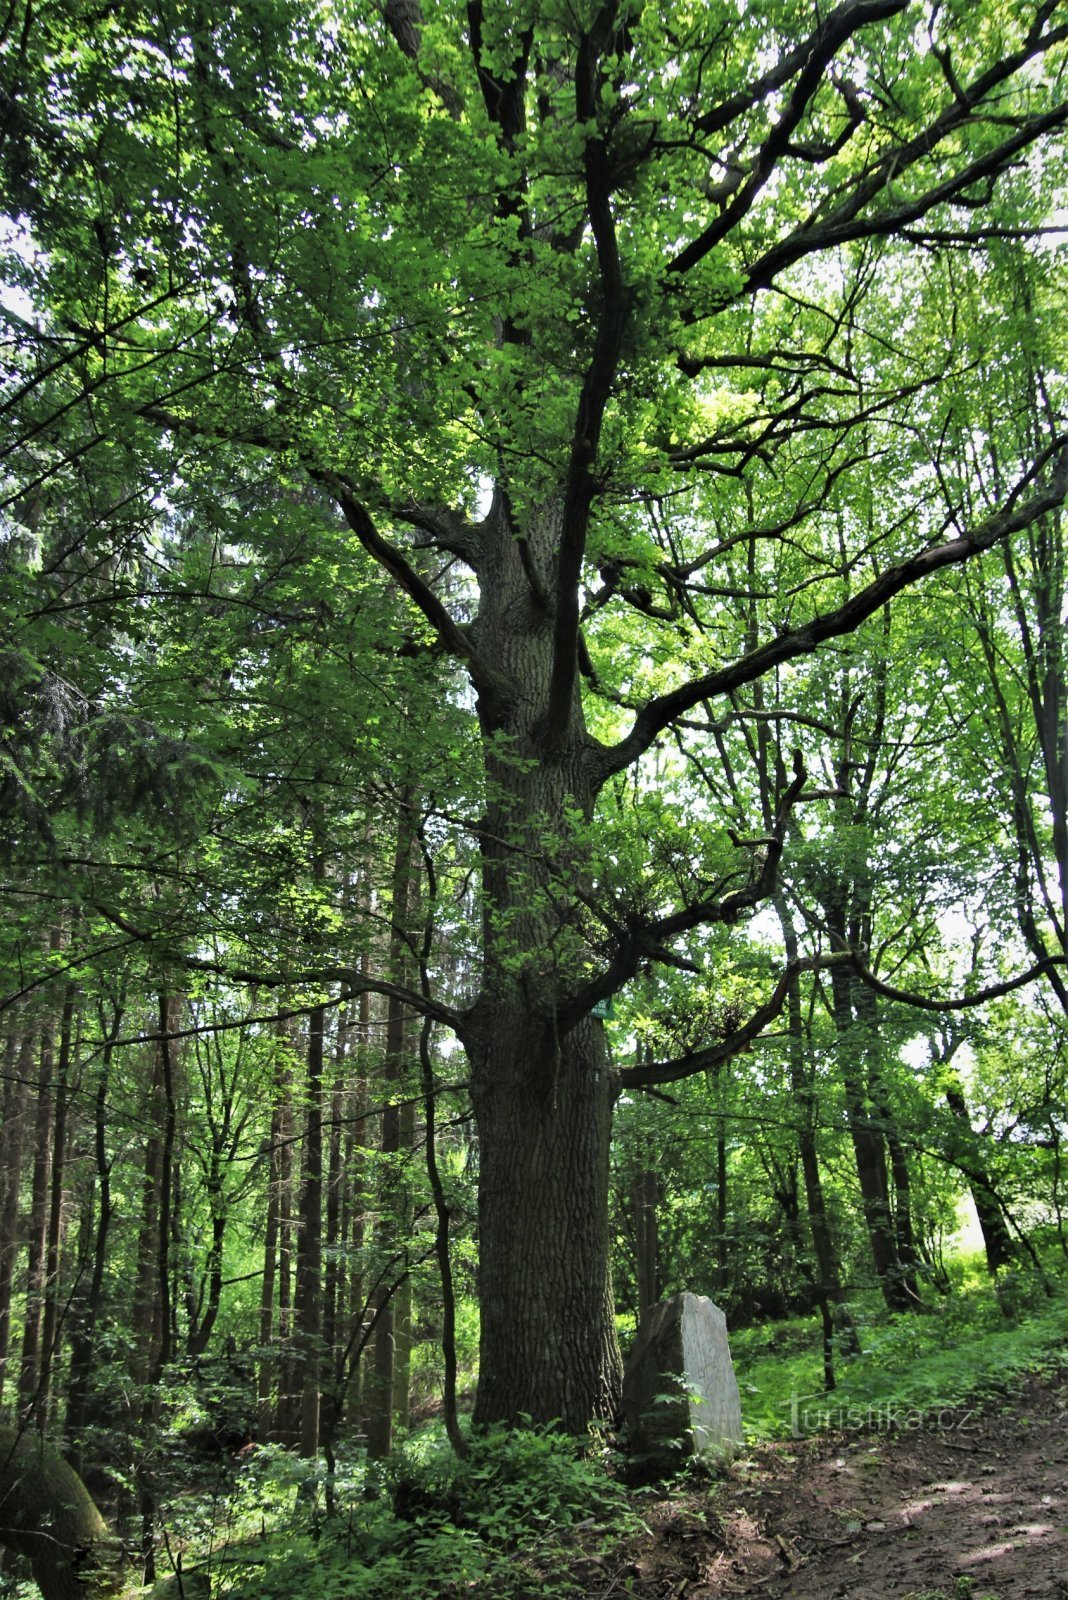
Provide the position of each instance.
(973, 1503)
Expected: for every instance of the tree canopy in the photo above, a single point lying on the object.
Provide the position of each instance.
(493, 496)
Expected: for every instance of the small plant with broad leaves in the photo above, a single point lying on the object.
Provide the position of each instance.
(511, 1519)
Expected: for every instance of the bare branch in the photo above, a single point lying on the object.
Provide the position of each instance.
(452, 636)
(810, 63)
(963, 1002)
(1018, 513)
(615, 310)
(835, 29)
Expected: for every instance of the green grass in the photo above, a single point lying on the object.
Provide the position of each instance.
(912, 1365)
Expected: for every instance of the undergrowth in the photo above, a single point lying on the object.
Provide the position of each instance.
(508, 1521)
(525, 1512)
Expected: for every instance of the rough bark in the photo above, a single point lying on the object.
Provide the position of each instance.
(542, 1094)
(548, 1346)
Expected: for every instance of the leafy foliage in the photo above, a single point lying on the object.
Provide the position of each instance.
(503, 1521)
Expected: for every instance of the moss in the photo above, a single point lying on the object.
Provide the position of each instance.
(48, 1515)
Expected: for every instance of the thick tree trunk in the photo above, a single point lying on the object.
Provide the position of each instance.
(548, 1346)
(48, 1515)
(542, 1094)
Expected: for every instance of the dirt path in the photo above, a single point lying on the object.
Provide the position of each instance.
(974, 1504)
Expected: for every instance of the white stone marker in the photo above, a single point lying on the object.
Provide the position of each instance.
(680, 1395)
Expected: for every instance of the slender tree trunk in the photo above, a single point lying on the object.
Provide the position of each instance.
(86, 1305)
(996, 1236)
(50, 1321)
(170, 1008)
(868, 1147)
(402, 1339)
(722, 1210)
(335, 1189)
(645, 1201)
(269, 1367)
(12, 1146)
(161, 1209)
(350, 1372)
(37, 1232)
(838, 1323)
(378, 1381)
(209, 1299)
(904, 1235)
(906, 1289)
(145, 1314)
(308, 1304)
(1057, 1145)
(441, 1246)
(380, 1384)
(286, 1414)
